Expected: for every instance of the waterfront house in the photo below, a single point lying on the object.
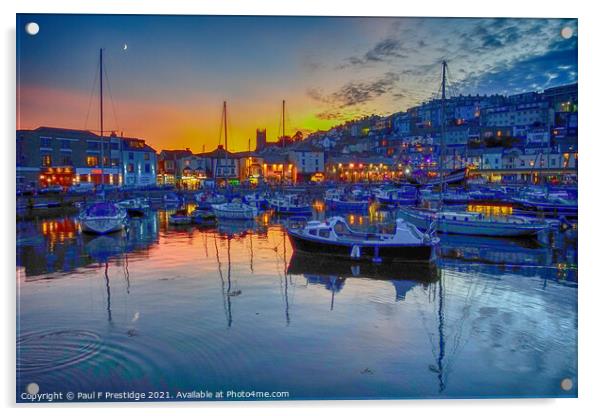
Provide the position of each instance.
(61, 156)
(168, 170)
(139, 162)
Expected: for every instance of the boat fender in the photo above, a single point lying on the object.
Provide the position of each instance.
(356, 252)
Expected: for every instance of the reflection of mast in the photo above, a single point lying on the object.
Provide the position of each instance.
(251, 257)
(108, 291)
(441, 356)
(127, 273)
(229, 292)
(286, 305)
(221, 276)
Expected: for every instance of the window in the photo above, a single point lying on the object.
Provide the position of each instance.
(131, 156)
(67, 160)
(147, 168)
(324, 233)
(114, 162)
(92, 161)
(65, 145)
(45, 141)
(147, 157)
(46, 160)
(114, 146)
(93, 145)
(130, 168)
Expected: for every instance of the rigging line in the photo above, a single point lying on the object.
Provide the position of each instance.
(91, 97)
(221, 125)
(111, 97)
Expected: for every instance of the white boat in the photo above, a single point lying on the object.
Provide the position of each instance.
(290, 204)
(334, 238)
(405, 195)
(102, 218)
(207, 200)
(234, 211)
(473, 223)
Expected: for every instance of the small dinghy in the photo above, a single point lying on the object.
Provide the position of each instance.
(180, 217)
(334, 237)
(202, 216)
(135, 207)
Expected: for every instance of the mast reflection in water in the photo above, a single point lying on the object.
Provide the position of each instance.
(230, 306)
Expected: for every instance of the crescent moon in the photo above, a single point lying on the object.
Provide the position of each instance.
(125, 46)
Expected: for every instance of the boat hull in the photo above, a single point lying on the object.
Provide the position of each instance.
(284, 210)
(102, 225)
(223, 212)
(449, 226)
(179, 220)
(347, 205)
(364, 251)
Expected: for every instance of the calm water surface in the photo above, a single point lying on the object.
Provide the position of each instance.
(229, 307)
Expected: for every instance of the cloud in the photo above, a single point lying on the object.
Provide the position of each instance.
(556, 66)
(356, 92)
(384, 50)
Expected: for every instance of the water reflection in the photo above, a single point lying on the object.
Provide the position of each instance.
(227, 305)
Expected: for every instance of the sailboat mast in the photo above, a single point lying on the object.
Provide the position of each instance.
(283, 124)
(442, 142)
(102, 142)
(226, 128)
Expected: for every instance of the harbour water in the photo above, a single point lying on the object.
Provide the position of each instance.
(229, 307)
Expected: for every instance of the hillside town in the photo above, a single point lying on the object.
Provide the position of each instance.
(529, 137)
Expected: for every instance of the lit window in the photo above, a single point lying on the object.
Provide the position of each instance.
(92, 160)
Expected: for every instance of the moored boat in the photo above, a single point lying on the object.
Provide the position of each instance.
(171, 198)
(135, 207)
(335, 238)
(179, 217)
(473, 223)
(290, 205)
(256, 200)
(405, 195)
(201, 216)
(234, 211)
(207, 200)
(102, 218)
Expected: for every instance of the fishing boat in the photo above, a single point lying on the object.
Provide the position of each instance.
(256, 200)
(473, 223)
(405, 195)
(290, 204)
(180, 217)
(448, 197)
(547, 204)
(234, 211)
(338, 199)
(347, 204)
(335, 238)
(207, 200)
(102, 218)
(135, 207)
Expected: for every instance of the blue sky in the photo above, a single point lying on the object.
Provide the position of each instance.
(169, 84)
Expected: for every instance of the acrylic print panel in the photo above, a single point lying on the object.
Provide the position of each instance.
(287, 208)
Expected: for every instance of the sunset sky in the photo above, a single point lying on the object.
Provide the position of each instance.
(168, 85)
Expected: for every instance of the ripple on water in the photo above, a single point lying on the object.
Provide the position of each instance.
(44, 351)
